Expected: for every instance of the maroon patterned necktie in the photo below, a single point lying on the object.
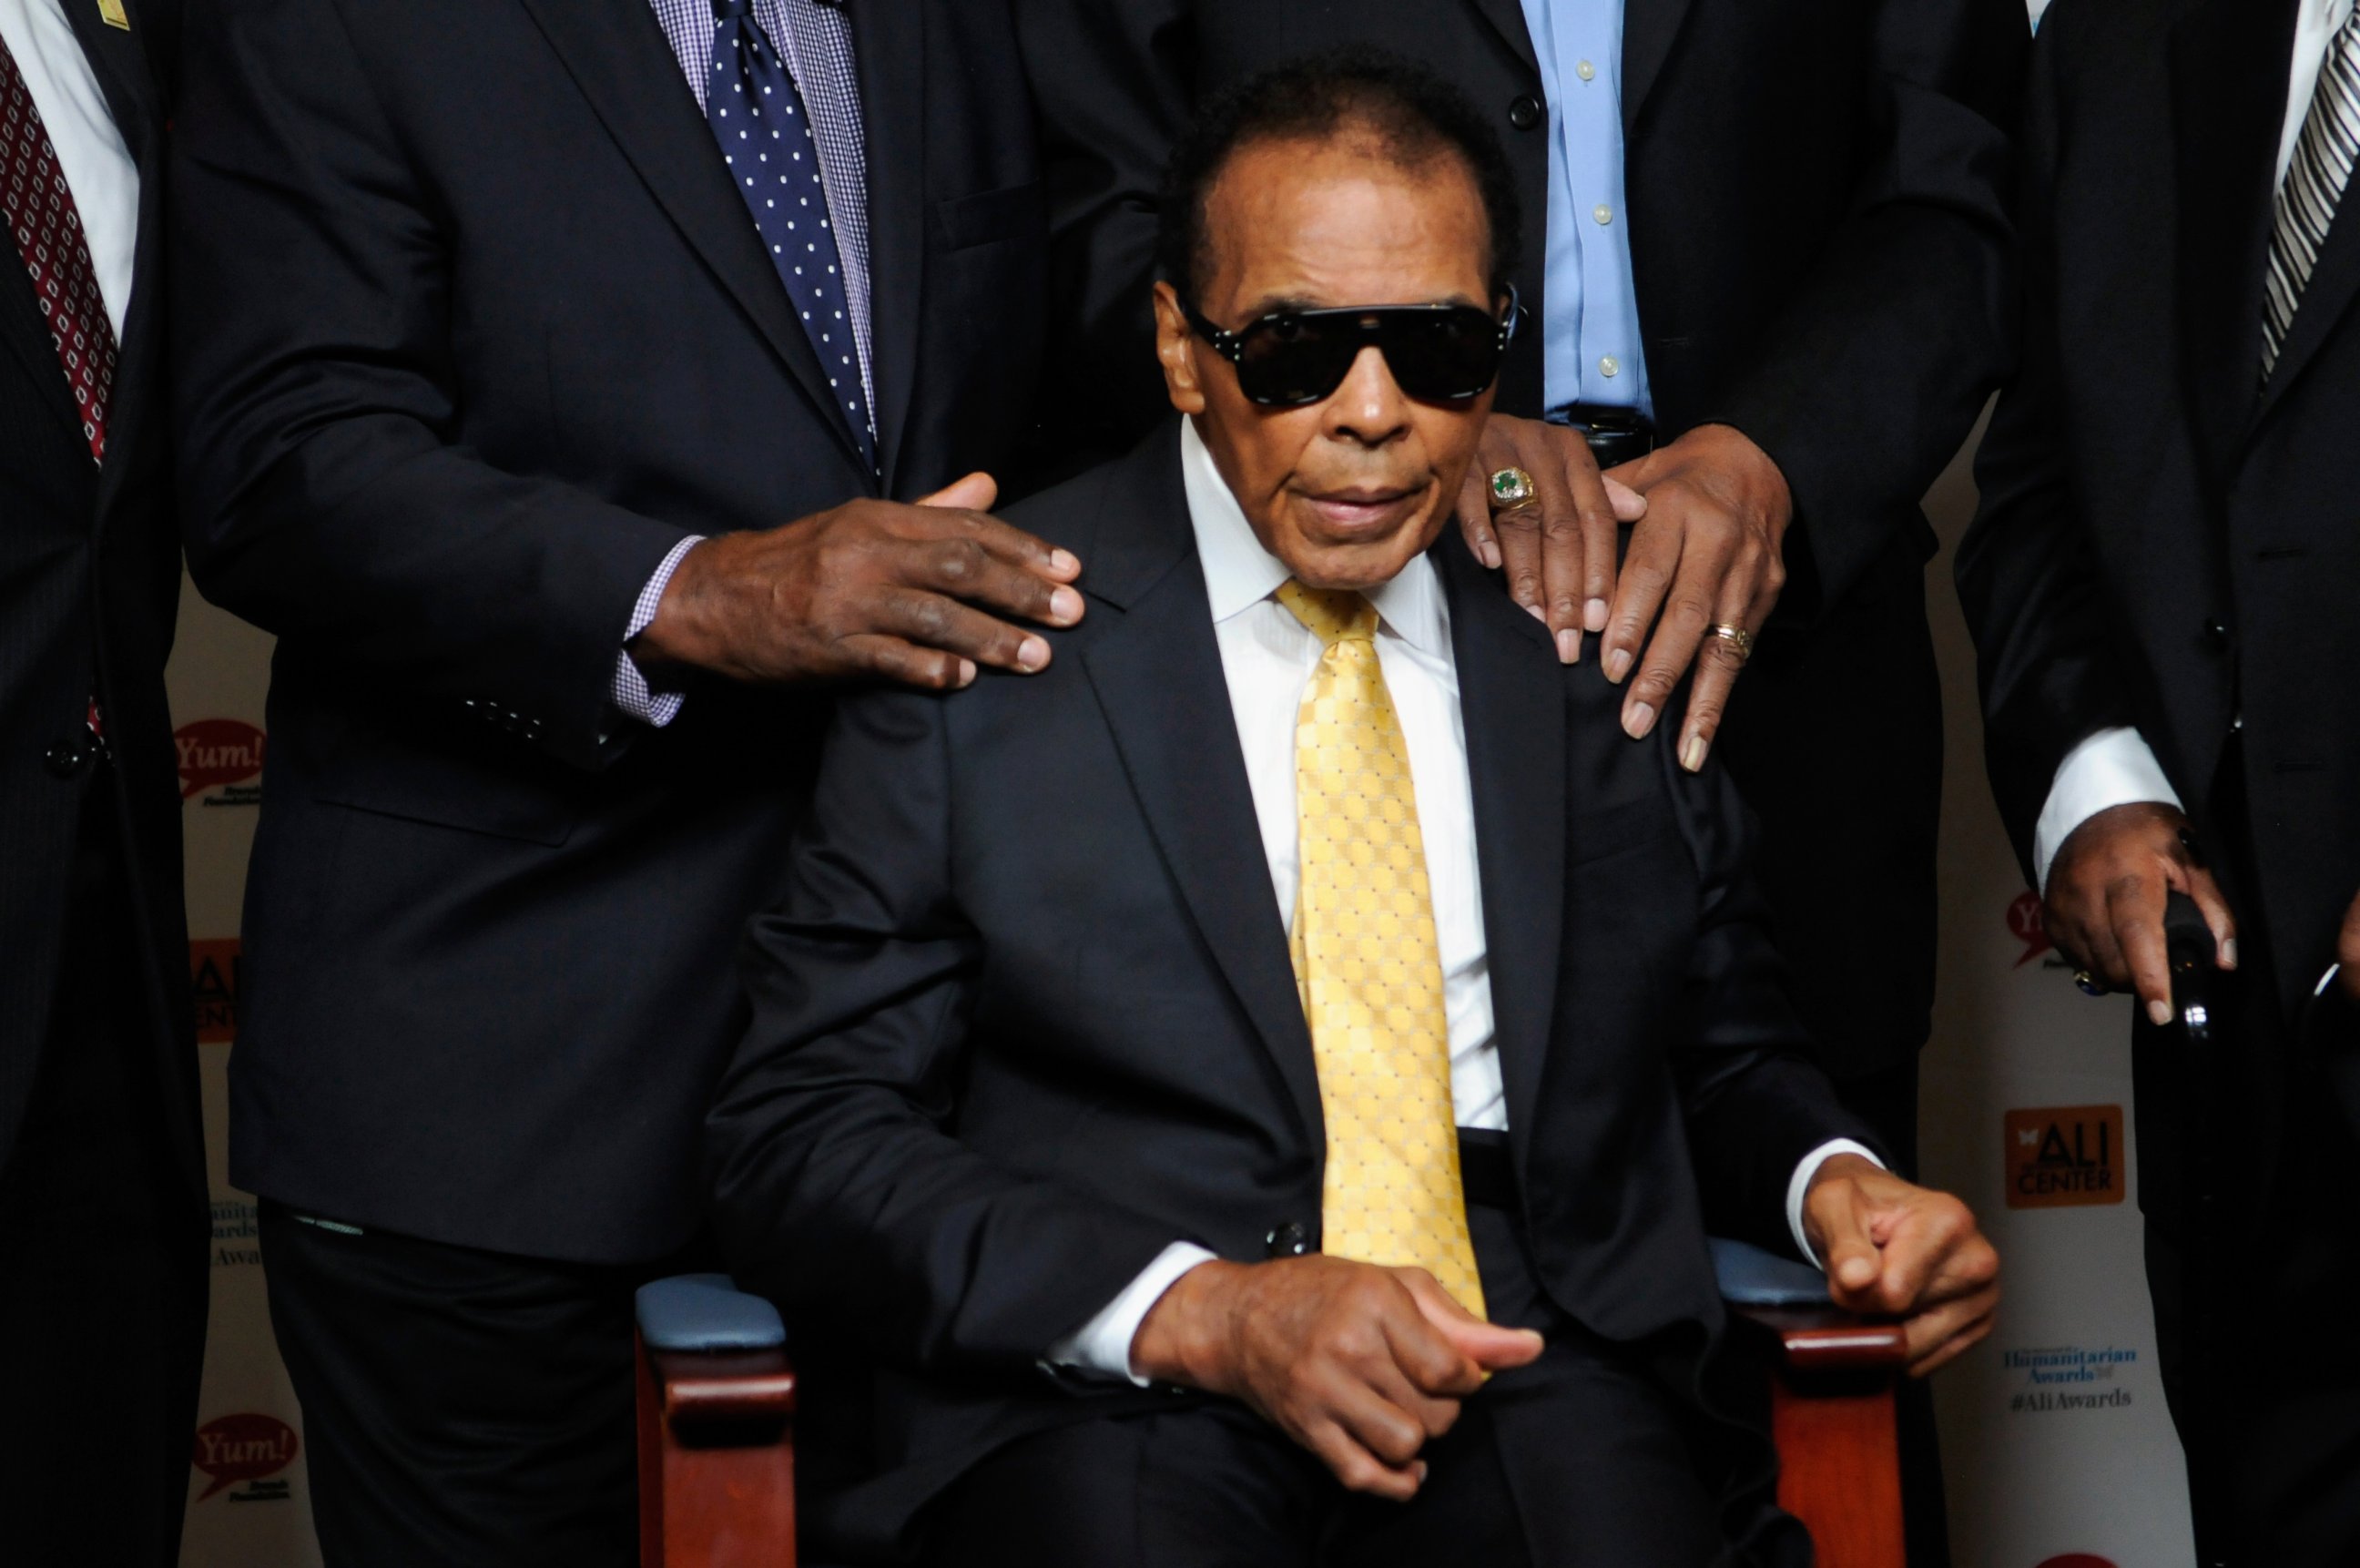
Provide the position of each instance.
(39, 209)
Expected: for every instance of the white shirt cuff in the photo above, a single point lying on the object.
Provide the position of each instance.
(1103, 1345)
(2111, 768)
(1800, 1186)
(629, 690)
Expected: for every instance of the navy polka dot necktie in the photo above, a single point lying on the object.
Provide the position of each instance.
(766, 140)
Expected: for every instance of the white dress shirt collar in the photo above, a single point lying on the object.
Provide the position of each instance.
(1240, 573)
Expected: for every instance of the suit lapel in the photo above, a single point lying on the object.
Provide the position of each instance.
(1649, 30)
(1159, 680)
(1512, 700)
(23, 334)
(2326, 300)
(2229, 75)
(1507, 17)
(117, 56)
(617, 55)
(888, 47)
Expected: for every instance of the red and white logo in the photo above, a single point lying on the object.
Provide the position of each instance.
(2025, 924)
(216, 751)
(246, 1446)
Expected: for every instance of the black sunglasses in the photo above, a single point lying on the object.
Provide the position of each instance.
(1439, 354)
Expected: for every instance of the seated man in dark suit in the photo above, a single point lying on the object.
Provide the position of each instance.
(1256, 1091)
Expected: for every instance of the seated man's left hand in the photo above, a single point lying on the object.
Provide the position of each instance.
(1895, 1249)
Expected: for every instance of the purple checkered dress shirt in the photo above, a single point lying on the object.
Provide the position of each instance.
(817, 46)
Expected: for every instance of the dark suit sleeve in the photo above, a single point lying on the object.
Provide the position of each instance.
(1755, 1104)
(329, 498)
(1112, 84)
(840, 1187)
(2028, 576)
(1872, 373)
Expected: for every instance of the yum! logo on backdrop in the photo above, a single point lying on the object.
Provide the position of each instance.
(221, 754)
(247, 1446)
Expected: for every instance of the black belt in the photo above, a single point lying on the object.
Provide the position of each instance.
(1486, 1173)
(1615, 435)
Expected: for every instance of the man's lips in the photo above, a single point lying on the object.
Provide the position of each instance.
(1359, 506)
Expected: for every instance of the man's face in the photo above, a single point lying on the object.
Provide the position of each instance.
(1344, 491)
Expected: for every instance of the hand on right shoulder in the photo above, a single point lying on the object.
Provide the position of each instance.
(1361, 1364)
(870, 588)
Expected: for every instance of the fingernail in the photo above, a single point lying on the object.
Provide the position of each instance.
(1491, 554)
(1594, 615)
(1640, 720)
(1032, 653)
(1569, 646)
(966, 672)
(2159, 1013)
(1062, 561)
(1064, 605)
(2229, 952)
(1618, 665)
(1692, 754)
(1538, 613)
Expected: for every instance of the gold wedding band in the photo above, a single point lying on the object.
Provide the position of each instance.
(1740, 640)
(1510, 488)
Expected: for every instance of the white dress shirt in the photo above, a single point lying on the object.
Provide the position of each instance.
(2117, 767)
(98, 167)
(1268, 658)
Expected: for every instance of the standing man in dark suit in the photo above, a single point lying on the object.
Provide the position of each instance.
(101, 1157)
(1769, 285)
(554, 377)
(2161, 584)
(1161, 1069)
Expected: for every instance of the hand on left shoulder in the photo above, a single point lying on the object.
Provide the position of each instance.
(1895, 1249)
(1707, 553)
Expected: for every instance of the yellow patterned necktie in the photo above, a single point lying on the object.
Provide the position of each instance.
(1369, 968)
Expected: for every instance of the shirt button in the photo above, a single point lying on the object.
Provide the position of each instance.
(1584, 70)
(1602, 213)
(1609, 366)
(1524, 112)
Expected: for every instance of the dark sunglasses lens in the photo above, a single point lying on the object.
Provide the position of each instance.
(1442, 356)
(1290, 360)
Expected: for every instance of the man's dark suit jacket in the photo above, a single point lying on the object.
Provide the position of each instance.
(473, 330)
(90, 587)
(1024, 1014)
(2162, 540)
(1815, 196)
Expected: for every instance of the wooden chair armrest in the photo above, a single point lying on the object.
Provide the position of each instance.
(716, 1433)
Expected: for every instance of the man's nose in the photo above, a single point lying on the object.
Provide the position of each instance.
(1368, 406)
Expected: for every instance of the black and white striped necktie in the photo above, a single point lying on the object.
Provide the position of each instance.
(2314, 182)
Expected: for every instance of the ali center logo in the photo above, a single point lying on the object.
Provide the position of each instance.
(219, 755)
(2064, 1157)
(250, 1447)
(212, 976)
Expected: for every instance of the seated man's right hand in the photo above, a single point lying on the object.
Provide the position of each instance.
(2105, 897)
(869, 588)
(1359, 1364)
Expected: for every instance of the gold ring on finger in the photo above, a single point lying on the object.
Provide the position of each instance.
(1740, 640)
(1512, 488)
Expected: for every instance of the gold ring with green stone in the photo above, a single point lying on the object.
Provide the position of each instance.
(1511, 488)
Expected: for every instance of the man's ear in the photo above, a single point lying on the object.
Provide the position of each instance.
(1175, 346)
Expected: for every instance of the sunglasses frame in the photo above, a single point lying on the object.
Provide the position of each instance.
(1231, 346)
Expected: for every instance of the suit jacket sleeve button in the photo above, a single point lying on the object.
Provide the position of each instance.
(1287, 1239)
(65, 758)
(2216, 632)
(1523, 111)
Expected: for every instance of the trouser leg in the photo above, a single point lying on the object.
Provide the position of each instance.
(461, 1407)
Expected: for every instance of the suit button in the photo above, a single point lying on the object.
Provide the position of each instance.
(2216, 632)
(65, 758)
(1286, 1240)
(1523, 111)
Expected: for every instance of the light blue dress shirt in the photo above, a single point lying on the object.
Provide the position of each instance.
(1589, 309)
